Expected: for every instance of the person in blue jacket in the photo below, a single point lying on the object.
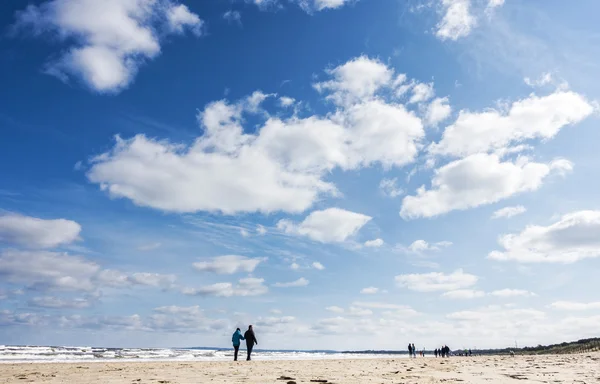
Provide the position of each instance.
(235, 339)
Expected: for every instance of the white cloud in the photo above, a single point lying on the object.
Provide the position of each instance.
(457, 21)
(358, 312)
(55, 302)
(48, 270)
(437, 111)
(394, 309)
(228, 264)
(463, 294)
(274, 321)
(279, 167)
(575, 236)
(301, 282)
(233, 16)
(358, 79)
(318, 266)
(369, 290)
(477, 180)
(329, 4)
(45, 270)
(248, 286)
(326, 226)
(389, 187)
(276, 311)
(531, 118)
(508, 212)
(376, 243)
(152, 279)
(512, 293)
(285, 101)
(261, 230)
(420, 246)
(180, 18)
(32, 232)
(436, 281)
(112, 38)
(174, 309)
(575, 306)
(544, 79)
(244, 232)
(335, 309)
(295, 266)
(149, 246)
(421, 92)
(495, 3)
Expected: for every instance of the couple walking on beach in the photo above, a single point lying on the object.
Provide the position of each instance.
(250, 341)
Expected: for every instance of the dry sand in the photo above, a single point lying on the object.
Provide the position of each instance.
(583, 368)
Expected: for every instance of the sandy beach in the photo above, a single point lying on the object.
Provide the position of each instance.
(580, 368)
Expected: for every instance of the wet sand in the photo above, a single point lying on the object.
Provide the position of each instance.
(580, 368)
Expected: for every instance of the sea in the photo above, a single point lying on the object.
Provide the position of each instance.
(47, 354)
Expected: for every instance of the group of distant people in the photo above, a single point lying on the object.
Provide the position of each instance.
(250, 338)
(442, 352)
(412, 351)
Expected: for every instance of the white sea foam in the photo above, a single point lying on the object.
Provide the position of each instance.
(12, 354)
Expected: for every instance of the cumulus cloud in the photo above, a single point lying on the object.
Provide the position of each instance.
(508, 212)
(457, 22)
(505, 293)
(532, 118)
(369, 290)
(420, 246)
(437, 111)
(421, 92)
(329, 4)
(59, 303)
(357, 79)
(575, 236)
(436, 281)
(281, 166)
(477, 180)
(376, 243)
(32, 232)
(44, 270)
(110, 39)
(389, 187)
(335, 309)
(463, 294)
(318, 266)
(249, 286)
(327, 226)
(228, 264)
(285, 101)
(301, 282)
(575, 306)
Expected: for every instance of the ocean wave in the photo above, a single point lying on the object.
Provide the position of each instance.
(13, 354)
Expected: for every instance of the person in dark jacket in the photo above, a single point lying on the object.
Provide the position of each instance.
(235, 339)
(409, 350)
(250, 341)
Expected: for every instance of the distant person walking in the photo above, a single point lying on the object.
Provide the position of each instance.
(235, 339)
(414, 351)
(435, 352)
(250, 341)
(409, 350)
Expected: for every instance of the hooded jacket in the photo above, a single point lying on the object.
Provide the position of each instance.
(237, 336)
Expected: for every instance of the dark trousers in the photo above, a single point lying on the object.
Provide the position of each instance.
(249, 350)
(236, 349)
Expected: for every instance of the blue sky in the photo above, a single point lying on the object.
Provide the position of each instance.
(334, 172)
